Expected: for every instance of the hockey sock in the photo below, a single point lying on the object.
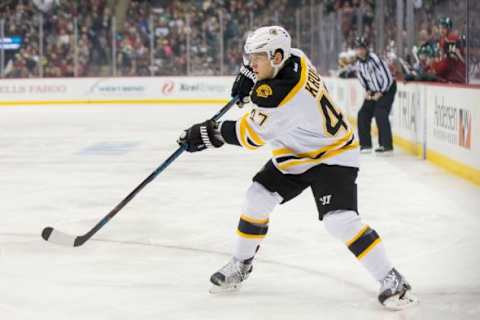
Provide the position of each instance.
(253, 224)
(363, 241)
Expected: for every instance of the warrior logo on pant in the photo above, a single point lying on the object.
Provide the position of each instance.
(325, 199)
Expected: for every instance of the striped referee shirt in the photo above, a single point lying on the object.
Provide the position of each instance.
(373, 74)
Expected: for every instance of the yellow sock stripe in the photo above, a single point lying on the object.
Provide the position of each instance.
(250, 236)
(253, 220)
(358, 235)
(370, 248)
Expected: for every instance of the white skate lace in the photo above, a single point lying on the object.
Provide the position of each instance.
(391, 281)
(234, 271)
(393, 292)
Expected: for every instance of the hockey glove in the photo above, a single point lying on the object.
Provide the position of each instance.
(201, 136)
(243, 84)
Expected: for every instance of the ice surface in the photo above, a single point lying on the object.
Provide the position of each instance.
(67, 166)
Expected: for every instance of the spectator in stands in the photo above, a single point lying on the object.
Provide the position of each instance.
(424, 70)
(400, 69)
(424, 55)
(426, 42)
(346, 64)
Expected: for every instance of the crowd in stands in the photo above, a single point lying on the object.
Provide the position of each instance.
(439, 54)
(56, 29)
(189, 25)
(148, 41)
(353, 13)
(84, 38)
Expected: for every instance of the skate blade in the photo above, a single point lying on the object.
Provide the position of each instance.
(224, 289)
(396, 303)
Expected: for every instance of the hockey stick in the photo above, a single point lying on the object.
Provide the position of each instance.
(52, 235)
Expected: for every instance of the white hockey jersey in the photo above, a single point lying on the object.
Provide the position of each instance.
(295, 115)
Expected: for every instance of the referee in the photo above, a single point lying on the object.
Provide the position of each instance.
(377, 80)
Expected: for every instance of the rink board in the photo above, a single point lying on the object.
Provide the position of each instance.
(127, 90)
(439, 123)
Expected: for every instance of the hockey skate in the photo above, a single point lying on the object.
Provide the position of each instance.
(395, 292)
(230, 277)
(382, 151)
(366, 150)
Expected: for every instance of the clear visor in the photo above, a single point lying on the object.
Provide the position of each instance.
(252, 58)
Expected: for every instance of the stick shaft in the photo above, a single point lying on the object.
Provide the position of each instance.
(82, 239)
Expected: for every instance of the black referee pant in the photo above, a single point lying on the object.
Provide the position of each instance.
(379, 109)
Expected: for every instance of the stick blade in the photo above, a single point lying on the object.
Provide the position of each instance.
(57, 237)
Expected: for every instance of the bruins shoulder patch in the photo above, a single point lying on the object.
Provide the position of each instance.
(263, 91)
(270, 93)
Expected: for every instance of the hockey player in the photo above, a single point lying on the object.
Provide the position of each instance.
(450, 66)
(314, 147)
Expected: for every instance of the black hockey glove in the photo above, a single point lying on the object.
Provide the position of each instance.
(201, 136)
(243, 84)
